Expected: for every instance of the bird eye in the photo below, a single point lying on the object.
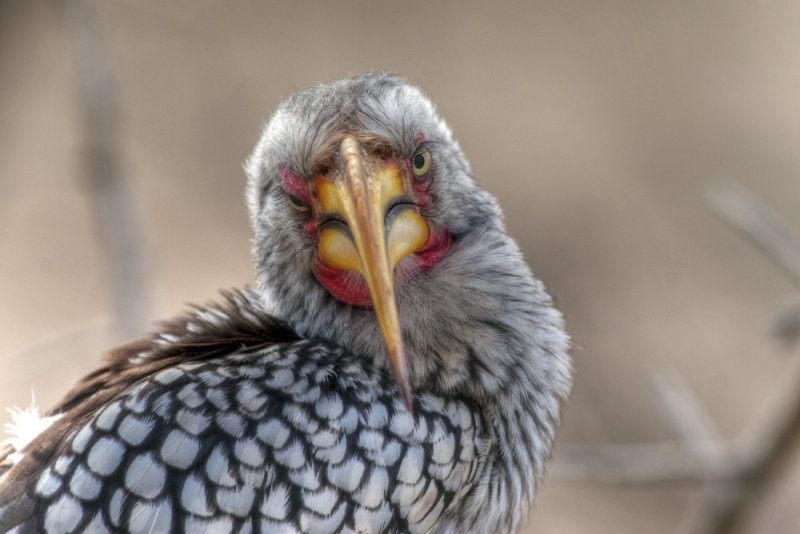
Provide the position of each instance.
(296, 203)
(421, 162)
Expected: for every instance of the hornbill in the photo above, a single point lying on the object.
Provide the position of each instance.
(397, 368)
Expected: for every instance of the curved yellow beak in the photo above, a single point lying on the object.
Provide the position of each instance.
(369, 225)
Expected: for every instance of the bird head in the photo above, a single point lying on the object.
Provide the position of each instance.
(369, 228)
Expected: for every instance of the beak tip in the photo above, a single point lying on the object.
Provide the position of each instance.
(405, 393)
(398, 359)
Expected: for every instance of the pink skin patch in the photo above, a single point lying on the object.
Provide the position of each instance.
(420, 184)
(346, 286)
(292, 185)
(434, 250)
(420, 187)
(350, 287)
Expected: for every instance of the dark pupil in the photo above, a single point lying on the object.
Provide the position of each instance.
(419, 161)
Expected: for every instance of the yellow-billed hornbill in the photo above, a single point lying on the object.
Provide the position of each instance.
(398, 368)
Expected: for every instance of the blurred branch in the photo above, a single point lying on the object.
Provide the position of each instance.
(698, 454)
(115, 216)
(785, 322)
(689, 420)
(773, 441)
(759, 223)
(736, 473)
(637, 463)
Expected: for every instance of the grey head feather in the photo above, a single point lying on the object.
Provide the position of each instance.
(483, 281)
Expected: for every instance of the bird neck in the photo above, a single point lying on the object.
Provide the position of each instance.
(477, 324)
(498, 339)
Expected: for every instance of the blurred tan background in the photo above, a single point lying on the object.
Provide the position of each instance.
(598, 125)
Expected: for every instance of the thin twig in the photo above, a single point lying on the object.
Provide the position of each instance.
(632, 463)
(784, 323)
(757, 221)
(689, 420)
(776, 443)
(736, 473)
(115, 215)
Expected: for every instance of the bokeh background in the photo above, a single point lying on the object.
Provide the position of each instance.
(599, 126)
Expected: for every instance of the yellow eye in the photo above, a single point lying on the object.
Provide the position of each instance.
(296, 203)
(421, 162)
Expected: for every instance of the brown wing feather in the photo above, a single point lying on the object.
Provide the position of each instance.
(6, 450)
(205, 332)
(209, 331)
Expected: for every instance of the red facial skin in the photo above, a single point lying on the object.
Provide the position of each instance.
(420, 184)
(348, 286)
(294, 186)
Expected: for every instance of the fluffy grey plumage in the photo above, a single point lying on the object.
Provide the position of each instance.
(486, 351)
(476, 323)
